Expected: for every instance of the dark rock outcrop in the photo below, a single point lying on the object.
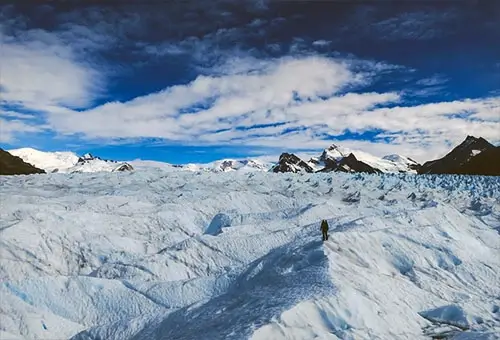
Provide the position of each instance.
(88, 157)
(486, 163)
(13, 165)
(124, 167)
(349, 164)
(474, 156)
(291, 163)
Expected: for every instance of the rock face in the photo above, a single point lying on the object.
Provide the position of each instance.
(486, 163)
(352, 164)
(291, 163)
(349, 164)
(124, 167)
(474, 156)
(13, 165)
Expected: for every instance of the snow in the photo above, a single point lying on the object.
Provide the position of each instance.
(48, 161)
(166, 254)
(387, 164)
(475, 152)
(224, 165)
(64, 162)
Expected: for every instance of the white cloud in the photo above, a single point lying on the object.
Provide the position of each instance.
(34, 73)
(418, 25)
(10, 128)
(39, 67)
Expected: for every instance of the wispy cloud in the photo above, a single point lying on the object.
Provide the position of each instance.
(418, 25)
(10, 128)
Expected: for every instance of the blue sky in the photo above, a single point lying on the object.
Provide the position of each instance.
(194, 81)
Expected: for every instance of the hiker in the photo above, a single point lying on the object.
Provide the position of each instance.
(324, 229)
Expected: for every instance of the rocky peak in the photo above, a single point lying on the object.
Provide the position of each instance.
(333, 152)
(124, 167)
(473, 143)
(451, 163)
(291, 163)
(87, 157)
(350, 164)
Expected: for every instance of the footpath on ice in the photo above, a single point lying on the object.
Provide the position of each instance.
(179, 255)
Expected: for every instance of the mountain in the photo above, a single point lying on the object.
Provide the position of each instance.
(390, 163)
(243, 165)
(13, 165)
(68, 162)
(401, 163)
(224, 165)
(91, 163)
(349, 164)
(49, 161)
(291, 163)
(336, 158)
(474, 156)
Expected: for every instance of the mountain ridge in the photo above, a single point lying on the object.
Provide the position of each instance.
(471, 157)
(461, 159)
(13, 165)
(68, 162)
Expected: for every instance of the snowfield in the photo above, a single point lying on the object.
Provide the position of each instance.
(156, 254)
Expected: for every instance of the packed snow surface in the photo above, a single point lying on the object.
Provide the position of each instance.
(156, 254)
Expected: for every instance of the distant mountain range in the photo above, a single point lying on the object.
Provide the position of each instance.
(68, 162)
(474, 156)
(339, 159)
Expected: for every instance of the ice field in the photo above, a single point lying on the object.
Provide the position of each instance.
(154, 254)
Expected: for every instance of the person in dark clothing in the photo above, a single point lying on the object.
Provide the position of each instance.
(324, 229)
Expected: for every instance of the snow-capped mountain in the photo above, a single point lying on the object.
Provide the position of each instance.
(68, 162)
(224, 165)
(196, 256)
(13, 165)
(390, 163)
(337, 158)
(474, 156)
(349, 164)
(49, 161)
(242, 165)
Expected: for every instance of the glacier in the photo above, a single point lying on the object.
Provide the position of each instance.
(157, 254)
